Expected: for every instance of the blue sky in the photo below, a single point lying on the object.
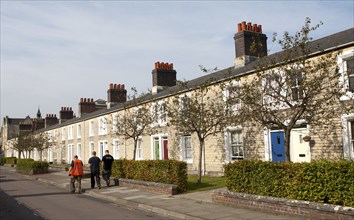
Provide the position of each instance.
(55, 52)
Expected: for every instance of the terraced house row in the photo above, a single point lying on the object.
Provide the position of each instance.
(104, 124)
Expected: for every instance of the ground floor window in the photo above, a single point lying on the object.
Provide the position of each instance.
(102, 146)
(139, 150)
(63, 153)
(54, 153)
(116, 153)
(92, 147)
(348, 135)
(78, 150)
(70, 153)
(235, 145)
(186, 148)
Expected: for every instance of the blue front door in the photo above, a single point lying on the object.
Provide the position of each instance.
(277, 142)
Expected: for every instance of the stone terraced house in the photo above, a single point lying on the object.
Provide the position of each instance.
(93, 127)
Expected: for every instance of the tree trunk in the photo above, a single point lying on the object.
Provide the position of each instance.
(201, 149)
(287, 145)
(135, 145)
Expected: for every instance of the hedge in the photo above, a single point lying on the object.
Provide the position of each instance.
(319, 181)
(29, 166)
(9, 160)
(161, 171)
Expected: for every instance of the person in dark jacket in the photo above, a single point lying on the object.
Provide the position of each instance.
(94, 163)
(107, 167)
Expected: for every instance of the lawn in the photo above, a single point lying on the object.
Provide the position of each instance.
(208, 183)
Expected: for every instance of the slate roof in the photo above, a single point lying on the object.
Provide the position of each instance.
(335, 41)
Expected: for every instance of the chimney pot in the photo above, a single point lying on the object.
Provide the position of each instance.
(243, 25)
(239, 27)
(122, 86)
(260, 28)
(254, 28)
(249, 26)
(110, 86)
(118, 86)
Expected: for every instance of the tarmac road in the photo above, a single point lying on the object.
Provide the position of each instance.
(51, 202)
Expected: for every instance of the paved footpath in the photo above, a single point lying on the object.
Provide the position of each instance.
(184, 206)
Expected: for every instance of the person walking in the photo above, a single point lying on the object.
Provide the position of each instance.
(75, 173)
(107, 160)
(94, 162)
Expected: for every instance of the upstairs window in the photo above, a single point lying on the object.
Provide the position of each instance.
(115, 123)
(232, 97)
(63, 134)
(79, 131)
(184, 104)
(70, 132)
(102, 126)
(349, 69)
(158, 111)
(296, 90)
(91, 128)
(346, 71)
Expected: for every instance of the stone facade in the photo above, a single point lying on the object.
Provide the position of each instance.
(94, 129)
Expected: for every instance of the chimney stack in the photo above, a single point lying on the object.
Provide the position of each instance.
(86, 105)
(66, 113)
(116, 93)
(50, 119)
(163, 76)
(250, 43)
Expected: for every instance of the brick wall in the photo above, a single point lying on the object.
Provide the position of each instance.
(311, 210)
(162, 188)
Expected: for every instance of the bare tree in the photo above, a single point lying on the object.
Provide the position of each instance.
(135, 120)
(22, 143)
(41, 142)
(202, 111)
(293, 86)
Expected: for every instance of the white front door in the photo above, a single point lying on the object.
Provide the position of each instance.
(299, 149)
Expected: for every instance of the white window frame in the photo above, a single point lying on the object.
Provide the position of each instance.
(102, 125)
(115, 120)
(79, 150)
(70, 155)
(183, 142)
(348, 142)
(91, 128)
(344, 79)
(92, 146)
(228, 145)
(70, 132)
(63, 134)
(78, 131)
(237, 106)
(102, 146)
(116, 148)
(158, 111)
(139, 149)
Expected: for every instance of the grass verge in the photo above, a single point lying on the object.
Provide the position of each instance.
(208, 182)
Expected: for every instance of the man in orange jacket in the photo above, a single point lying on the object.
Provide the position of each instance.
(76, 173)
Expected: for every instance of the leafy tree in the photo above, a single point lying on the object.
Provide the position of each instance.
(293, 86)
(202, 112)
(135, 120)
